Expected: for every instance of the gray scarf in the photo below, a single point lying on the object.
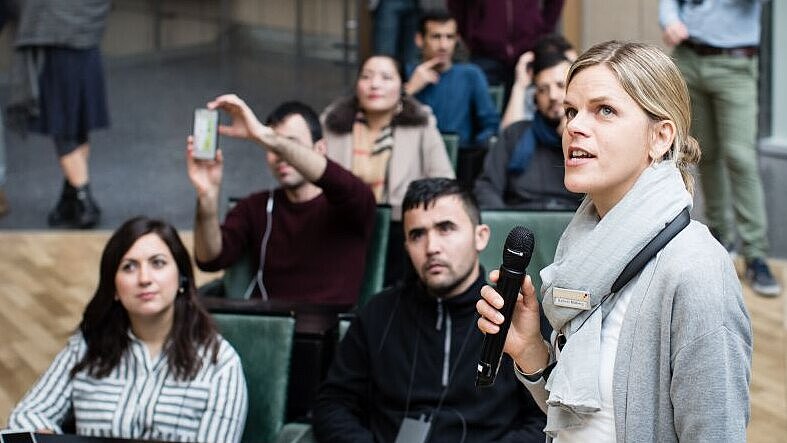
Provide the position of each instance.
(589, 257)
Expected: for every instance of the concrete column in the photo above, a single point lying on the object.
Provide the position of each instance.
(773, 149)
(778, 139)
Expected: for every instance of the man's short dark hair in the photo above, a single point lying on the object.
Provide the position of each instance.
(552, 43)
(547, 60)
(424, 193)
(289, 108)
(550, 51)
(433, 15)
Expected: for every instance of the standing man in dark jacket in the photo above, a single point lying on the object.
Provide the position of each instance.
(409, 358)
(497, 32)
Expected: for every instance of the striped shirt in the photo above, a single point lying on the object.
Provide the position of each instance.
(140, 398)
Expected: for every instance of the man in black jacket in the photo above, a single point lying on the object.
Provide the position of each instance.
(409, 359)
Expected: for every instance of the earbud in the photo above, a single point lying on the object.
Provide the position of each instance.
(184, 283)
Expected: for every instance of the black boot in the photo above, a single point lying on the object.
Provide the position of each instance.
(62, 215)
(87, 213)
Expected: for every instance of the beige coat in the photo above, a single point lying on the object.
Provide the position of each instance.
(418, 152)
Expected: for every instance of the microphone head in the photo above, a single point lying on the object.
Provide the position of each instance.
(518, 249)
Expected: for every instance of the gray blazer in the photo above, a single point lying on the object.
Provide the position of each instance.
(683, 363)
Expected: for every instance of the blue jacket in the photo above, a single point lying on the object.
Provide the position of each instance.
(461, 103)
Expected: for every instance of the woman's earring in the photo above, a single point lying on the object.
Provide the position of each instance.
(184, 281)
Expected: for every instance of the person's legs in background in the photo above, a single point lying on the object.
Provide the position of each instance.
(395, 24)
(73, 102)
(734, 88)
(76, 207)
(713, 174)
(724, 109)
(408, 25)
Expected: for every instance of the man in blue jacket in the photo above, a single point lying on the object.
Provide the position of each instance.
(457, 92)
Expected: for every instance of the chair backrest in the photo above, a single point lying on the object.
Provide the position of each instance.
(264, 343)
(236, 278)
(496, 92)
(376, 253)
(547, 228)
(451, 142)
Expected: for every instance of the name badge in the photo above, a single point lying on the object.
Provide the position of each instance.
(571, 298)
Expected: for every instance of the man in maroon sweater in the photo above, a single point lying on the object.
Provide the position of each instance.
(308, 237)
(497, 32)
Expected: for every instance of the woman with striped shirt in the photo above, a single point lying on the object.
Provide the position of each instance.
(147, 361)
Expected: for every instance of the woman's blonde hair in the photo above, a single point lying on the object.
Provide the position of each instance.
(652, 79)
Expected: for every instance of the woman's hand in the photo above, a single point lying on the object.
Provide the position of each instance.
(523, 342)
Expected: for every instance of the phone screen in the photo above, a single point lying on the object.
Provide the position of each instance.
(17, 437)
(206, 125)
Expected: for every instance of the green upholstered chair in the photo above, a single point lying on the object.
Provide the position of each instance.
(303, 432)
(376, 253)
(236, 278)
(264, 343)
(451, 142)
(547, 228)
(496, 92)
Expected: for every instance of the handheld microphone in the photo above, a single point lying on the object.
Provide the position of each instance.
(517, 252)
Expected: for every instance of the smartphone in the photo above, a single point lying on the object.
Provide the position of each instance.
(17, 437)
(206, 133)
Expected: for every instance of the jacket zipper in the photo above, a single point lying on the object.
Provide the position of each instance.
(443, 316)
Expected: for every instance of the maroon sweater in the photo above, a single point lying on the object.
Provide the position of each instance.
(504, 29)
(317, 249)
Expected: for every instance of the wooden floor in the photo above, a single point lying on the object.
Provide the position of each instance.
(47, 277)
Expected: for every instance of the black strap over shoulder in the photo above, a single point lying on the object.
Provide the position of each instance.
(651, 249)
(636, 264)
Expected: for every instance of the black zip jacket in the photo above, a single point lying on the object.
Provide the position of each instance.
(405, 344)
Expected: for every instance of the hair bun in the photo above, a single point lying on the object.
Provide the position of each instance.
(690, 152)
